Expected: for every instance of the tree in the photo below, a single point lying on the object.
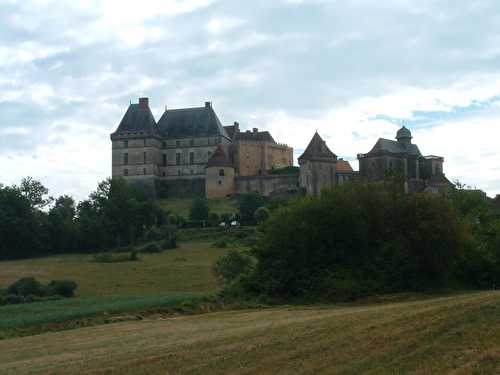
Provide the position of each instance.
(19, 226)
(262, 214)
(248, 204)
(199, 209)
(35, 192)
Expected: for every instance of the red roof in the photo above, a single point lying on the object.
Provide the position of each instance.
(343, 166)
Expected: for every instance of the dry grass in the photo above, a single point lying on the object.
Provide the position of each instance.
(185, 269)
(452, 335)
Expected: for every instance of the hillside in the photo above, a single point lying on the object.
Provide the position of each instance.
(181, 206)
(447, 335)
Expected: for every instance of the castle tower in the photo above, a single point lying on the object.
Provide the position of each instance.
(220, 176)
(317, 166)
(136, 143)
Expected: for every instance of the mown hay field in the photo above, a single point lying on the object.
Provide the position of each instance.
(448, 335)
(185, 269)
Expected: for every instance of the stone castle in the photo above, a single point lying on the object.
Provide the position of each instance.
(189, 151)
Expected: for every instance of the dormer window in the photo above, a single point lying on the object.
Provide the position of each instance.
(125, 143)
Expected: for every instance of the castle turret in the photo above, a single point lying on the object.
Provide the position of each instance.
(220, 176)
(135, 143)
(317, 166)
(404, 135)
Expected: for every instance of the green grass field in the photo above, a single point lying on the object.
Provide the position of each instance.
(185, 269)
(181, 206)
(456, 335)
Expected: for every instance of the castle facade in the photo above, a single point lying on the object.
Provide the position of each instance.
(189, 151)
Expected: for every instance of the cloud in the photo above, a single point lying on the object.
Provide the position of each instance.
(353, 70)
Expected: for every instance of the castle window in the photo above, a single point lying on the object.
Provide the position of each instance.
(191, 158)
(177, 143)
(145, 171)
(125, 143)
(179, 172)
(144, 143)
(221, 172)
(145, 157)
(125, 159)
(164, 160)
(220, 182)
(164, 144)
(125, 172)
(178, 159)
(164, 174)
(191, 171)
(191, 142)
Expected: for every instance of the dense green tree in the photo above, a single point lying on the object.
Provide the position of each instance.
(247, 205)
(261, 214)
(199, 209)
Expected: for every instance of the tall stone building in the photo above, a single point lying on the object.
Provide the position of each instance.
(421, 173)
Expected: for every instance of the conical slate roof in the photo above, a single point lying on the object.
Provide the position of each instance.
(138, 118)
(317, 150)
(219, 159)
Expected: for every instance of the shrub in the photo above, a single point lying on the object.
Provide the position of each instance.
(232, 266)
(199, 209)
(220, 243)
(11, 299)
(261, 214)
(110, 258)
(27, 286)
(248, 204)
(64, 288)
(151, 248)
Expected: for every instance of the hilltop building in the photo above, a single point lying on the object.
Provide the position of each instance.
(421, 173)
(189, 151)
(178, 153)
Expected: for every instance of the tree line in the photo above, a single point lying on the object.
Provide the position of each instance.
(32, 223)
(361, 239)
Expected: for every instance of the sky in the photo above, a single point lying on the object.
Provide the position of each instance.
(354, 70)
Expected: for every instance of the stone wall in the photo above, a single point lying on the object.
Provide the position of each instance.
(219, 182)
(253, 158)
(267, 185)
(317, 175)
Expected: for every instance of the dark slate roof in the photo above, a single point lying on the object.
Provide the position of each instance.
(232, 130)
(404, 132)
(191, 122)
(393, 147)
(317, 149)
(138, 118)
(248, 135)
(219, 158)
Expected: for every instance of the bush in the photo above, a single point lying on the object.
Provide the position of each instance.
(110, 258)
(27, 286)
(64, 288)
(232, 266)
(261, 214)
(11, 299)
(151, 248)
(199, 209)
(220, 244)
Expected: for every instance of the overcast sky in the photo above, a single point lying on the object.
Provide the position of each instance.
(355, 70)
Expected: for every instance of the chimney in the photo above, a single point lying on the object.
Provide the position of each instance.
(255, 130)
(208, 104)
(237, 125)
(144, 103)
